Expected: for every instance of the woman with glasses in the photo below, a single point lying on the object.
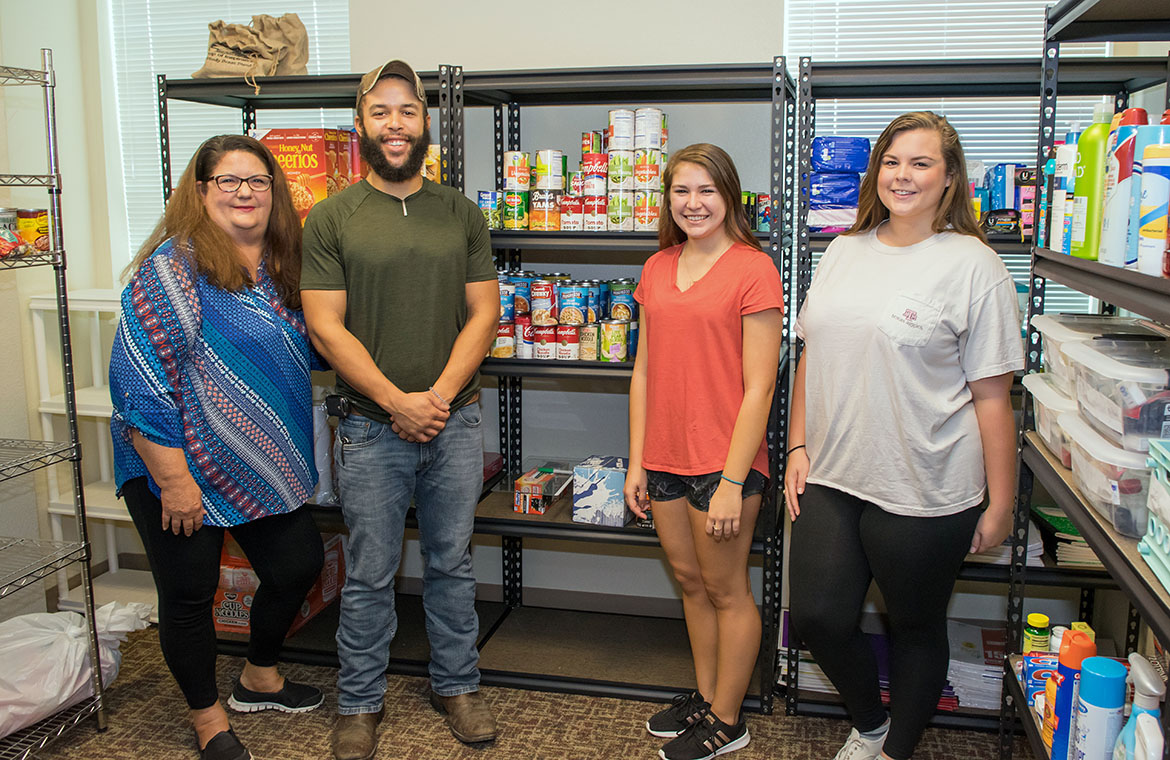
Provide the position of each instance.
(212, 425)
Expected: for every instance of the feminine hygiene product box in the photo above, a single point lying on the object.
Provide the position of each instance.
(597, 492)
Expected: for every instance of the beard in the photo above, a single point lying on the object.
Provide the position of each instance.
(371, 150)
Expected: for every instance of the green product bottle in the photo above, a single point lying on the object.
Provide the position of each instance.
(1089, 190)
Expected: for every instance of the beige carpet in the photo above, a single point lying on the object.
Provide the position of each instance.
(148, 720)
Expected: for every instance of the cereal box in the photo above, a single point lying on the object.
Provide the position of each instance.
(597, 492)
(309, 160)
(432, 164)
(232, 605)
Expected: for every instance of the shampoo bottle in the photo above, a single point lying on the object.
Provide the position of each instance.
(1089, 189)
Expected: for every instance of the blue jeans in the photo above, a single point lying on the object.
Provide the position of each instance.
(379, 474)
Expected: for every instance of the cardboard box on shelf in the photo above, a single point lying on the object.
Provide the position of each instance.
(541, 487)
(309, 160)
(597, 492)
(232, 606)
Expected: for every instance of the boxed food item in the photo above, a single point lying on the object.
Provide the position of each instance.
(597, 492)
(232, 605)
(309, 160)
(1058, 329)
(1048, 403)
(1123, 389)
(1114, 481)
(541, 487)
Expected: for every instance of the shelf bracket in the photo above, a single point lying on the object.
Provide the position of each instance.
(164, 137)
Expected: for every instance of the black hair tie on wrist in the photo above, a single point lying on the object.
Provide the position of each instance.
(794, 448)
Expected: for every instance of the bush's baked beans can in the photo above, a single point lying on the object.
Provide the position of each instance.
(523, 336)
(647, 204)
(490, 203)
(544, 342)
(621, 299)
(594, 174)
(648, 169)
(615, 334)
(515, 210)
(572, 303)
(517, 171)
(548, 170)
(620, 132)
(620, 211)
(33, 225)
(507, 300)
(575, 183)
(593, 288)
(568, 343)
(648, 124)
(544, 303)
(588, 337)
(572, 213)
(505, 345)
(591, 142)
(546, 210)
(621, 170)
(596, 213)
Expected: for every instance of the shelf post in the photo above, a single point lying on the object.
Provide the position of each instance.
(805, 125)
(446, 138)
(451, 125)
(248, 117)
(164, 137)
(512, 547)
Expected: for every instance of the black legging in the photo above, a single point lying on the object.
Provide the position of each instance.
(839, 543)
(284, 550)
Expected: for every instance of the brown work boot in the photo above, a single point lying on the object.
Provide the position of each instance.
(468, 716)
(355, 737)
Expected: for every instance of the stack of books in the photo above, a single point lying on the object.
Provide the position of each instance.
(976, 667)
(1064, 540)
(1002, 554)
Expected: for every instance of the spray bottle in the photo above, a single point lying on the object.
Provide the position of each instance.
(1119, 181)
(1089, 190)
(1148, 741)
(1148, 691)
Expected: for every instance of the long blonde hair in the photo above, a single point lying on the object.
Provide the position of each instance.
(722, 170)
(954, 208)
(211, 250)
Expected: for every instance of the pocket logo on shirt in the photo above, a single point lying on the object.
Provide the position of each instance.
(909, 320)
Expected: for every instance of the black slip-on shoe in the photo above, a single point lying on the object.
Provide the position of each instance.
(293, 698)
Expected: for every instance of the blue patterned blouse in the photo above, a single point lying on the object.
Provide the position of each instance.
(222, 375)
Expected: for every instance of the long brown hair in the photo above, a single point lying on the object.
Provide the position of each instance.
(954, 208)
(722, 170)
(211, 250)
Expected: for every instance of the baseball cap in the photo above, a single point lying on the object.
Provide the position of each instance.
(395, 68)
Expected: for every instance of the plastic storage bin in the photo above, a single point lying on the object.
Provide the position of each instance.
(1059, 329)
(1048, 403)
(1122, 388)
(1155, 545)
(1115, 481)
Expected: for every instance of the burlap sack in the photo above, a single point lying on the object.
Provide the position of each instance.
(289, 36)
(267, 47)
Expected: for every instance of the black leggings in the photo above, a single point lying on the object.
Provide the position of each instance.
(286, 553)
(840, 543)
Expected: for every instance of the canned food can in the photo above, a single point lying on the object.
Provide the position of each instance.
(594, 173)
(620, 211)
(11, 243)
(568, 343)
(594, 303)
(621, 299)
(665, 135)
(575, 183)
(648, 128)
(8, 219)
(507, 300)
(522, 298)
(647, 169)
(572, 213)
(620, 132)
(515, 210)
(546, 210)
(587, 337)
(596, 213)
(490, 202)
(505, 345)
(572, 303)
(544, 303)
(591, 142)
(621, 170)
(544, 342)
(517, 170)
(632, 347)
(523, 336)
(33, 226)
(548, 170)
(615, 334)
(603, 300)
(646, 207)
(764, 213)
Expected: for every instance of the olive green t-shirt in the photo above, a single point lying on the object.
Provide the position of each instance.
(403, 264)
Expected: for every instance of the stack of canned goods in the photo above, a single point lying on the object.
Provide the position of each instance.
(23, 231)
(552, 316)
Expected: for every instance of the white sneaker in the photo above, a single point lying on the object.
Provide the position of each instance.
(857, 747)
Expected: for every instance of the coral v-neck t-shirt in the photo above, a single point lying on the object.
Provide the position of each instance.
(694, 356)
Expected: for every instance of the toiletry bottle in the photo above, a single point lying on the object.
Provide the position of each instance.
(1148, 691)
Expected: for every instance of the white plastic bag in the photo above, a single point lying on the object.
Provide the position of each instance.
(44, 660)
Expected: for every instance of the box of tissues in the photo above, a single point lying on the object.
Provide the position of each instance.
(597, 492)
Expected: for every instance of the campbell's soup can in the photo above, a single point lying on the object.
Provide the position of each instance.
(648, 169)
(648, 123)
(544, 303)
(491, 203)
(575, 183)
(515, 210)
(523, 336)
(544, 341)
(568, 343)
(614, 337)
(594, 174)
(646, 207)
(621, 170)
(591, 142)
(517, 170)
(589, 339)
(572, 303)
(546, 210)
(596, 213)
(593, 305)
(505, 345)
(621, 299)
(572, 213)
(548, 170)
(620, 131)
(620, 211)
(33, 226)
(507, 300)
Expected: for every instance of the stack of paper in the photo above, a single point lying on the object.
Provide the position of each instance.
(1066, 543)
(1002, 554)
(976, 666)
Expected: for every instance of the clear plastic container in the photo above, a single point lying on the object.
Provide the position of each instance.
(1114, 481)
(1122, 388)
(1048, 403)
(1059, 329)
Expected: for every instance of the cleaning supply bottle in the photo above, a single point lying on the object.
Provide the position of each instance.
(1062, 191)
(1148, 739)
(1089, 191)
(1059, 711)
(1119, 180)
(1100, 708)
(1148, 691)
(1152, 134)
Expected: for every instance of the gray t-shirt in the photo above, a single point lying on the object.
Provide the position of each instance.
(893, 337)
(404, 264)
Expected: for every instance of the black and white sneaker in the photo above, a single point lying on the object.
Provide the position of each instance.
(684, 711)
(705, 739)
(292, 698)
(225, 746)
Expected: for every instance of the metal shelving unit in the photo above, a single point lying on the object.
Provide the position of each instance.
(23, 562)
(1085, 21)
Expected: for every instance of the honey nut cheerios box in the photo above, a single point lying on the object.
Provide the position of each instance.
(311, 163)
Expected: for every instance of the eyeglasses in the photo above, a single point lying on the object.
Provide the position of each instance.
(230, 183)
